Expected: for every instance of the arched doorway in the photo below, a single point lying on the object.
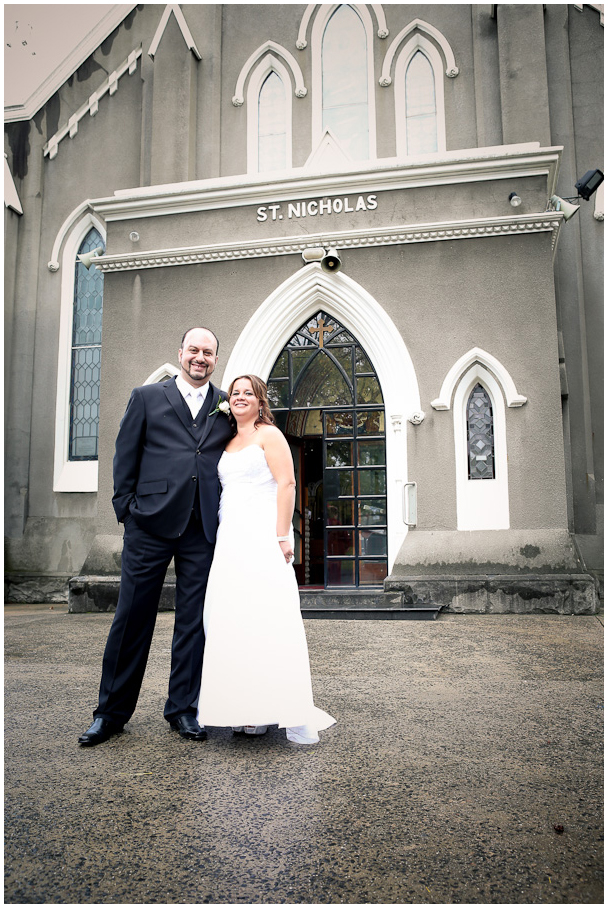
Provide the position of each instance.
(278, 318)
(327, 399)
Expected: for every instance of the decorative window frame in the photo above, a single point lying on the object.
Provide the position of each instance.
(302, 43)
(418, 43)
(167, 370)
(70, 475)
(481, 504)
(322, 17)
(267, 65)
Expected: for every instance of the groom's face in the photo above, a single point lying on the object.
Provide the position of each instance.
(197, 356)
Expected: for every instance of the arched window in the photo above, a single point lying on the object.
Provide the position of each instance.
(481, 452)
(344, 69)
(86, 355)
(269, 113)
(420, 106)
(79, 364)
(480, 434)
(419, 98)
(272, 132)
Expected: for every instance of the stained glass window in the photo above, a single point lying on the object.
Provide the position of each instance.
(345, 98)
(86, 355)
(323, 384)
(480, 434)
(272, 135)
(420, 106)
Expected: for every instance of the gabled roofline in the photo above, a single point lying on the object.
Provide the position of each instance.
(13, 113)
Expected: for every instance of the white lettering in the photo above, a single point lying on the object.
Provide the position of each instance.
(318, 206)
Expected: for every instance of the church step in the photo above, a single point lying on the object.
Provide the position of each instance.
(364, 605)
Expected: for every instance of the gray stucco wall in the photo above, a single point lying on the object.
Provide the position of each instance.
(430, 290)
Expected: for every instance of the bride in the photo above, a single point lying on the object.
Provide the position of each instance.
(255, 670)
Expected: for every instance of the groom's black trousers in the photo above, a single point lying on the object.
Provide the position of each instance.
(145, 559)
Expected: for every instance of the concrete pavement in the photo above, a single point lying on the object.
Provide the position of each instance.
(462, 748)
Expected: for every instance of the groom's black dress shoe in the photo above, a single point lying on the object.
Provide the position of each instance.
(100, 731)
(188, 727)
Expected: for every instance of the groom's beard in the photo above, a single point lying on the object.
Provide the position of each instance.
(199, 375)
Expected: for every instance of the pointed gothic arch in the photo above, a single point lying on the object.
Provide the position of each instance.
(493, 365)
(269, 46)
(267, 65)
(280, 316)
(302, 43)
(451, 70)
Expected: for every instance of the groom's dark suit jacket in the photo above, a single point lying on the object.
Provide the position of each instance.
(165, 458)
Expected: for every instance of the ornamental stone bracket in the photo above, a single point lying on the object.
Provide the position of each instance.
(352, 239)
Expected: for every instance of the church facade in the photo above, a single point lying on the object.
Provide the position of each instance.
(368, 204)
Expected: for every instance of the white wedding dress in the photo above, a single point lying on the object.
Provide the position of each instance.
(255, 667)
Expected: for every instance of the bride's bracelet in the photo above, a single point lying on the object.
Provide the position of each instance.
(282, 538)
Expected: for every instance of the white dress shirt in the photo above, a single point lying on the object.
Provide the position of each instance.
(194, 397)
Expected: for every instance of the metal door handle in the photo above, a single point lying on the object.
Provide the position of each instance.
(410, 504)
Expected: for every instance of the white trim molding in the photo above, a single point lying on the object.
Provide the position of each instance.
(444, 168)
(287, 308)
(418, 43)
(355, 239)
(167, 370)
(65, 228)
(269, 46)
(11, 196)
(598, 212)
(323, 16)
(481, 504)
(70, 475)
(182, 25)
(598, 7)
(478, 356)
(301, 42)
(451, 70)
(108, 86)
(267, 65)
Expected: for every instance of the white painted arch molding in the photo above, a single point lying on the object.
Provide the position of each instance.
(167, 370)
(298, 298)
(278, 318)
(477, 355)
(302, 43)
(451, 70)
(239, 94)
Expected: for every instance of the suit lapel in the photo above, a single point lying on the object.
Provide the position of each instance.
(207, 416)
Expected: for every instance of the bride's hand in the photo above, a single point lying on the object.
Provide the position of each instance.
(287, 550)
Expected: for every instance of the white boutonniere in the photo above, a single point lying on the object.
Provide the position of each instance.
(222, 407)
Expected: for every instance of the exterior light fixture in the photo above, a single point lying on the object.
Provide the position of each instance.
(315, 254)
(585, 187)
(588, 183)
(515, 200)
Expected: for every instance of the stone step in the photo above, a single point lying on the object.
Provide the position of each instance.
(364, 605)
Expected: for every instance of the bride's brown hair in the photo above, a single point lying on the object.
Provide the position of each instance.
(261, 392)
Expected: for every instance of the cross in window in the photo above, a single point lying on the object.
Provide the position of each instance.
(320, 330)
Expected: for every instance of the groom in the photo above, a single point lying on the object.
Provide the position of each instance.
(166, 492)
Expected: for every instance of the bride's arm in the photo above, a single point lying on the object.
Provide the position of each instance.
(280, 461)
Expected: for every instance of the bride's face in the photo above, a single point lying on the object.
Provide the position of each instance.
(243, 401)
